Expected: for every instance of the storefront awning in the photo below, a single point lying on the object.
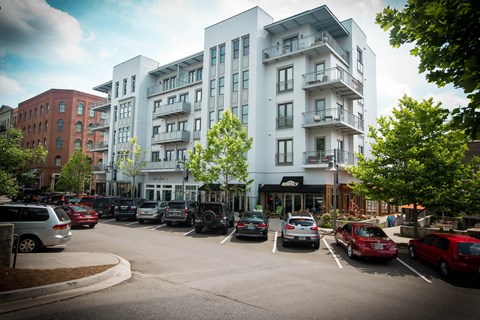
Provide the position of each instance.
(292, 184)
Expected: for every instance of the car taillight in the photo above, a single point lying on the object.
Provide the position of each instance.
(240, 225)
(314, 228)
(262, 225)
(289, 227)
(61, 226)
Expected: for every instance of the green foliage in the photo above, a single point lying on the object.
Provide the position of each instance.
(326, 217)
(131, 162)
(446, 35)
(75, 173)
(326, 224)
(223, 159)
(16, 162)
(416, 157)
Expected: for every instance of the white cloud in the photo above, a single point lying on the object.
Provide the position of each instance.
(449, 99)
(9, 87)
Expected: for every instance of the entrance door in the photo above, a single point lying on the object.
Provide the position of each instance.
(293, 202)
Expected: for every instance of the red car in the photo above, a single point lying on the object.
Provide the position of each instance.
(87, 200)
(449, 252)
(365, 240)
(81, 215)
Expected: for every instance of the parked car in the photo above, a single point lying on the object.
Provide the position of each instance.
(365, 240)
(300, 228)
(151, 211)
(252, 224)
(127, 208)
(81, 215)
(87, 200)
(182, 211)
(214, 215)
(104, 206)
(38, 225)
(449, 252)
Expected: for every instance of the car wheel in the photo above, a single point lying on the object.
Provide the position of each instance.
(284, 243)
(350, 251)
(117, 218)
(92, 226)
(208, 217)
(316, 245)
(169, 223)
(141, 221)
(444, 268)
(336, 241)
(189, 222)
(162, 219)
(265, 237)
(225, 230)
(231, 223)
(28, 244)
(411, 252)
(198, 229)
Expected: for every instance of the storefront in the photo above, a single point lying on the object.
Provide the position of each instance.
(213, 192)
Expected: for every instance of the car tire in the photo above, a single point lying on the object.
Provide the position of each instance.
(350, 251)
(336, 241)
(28, 244)
(92, 226)
(316, 245)
(231, 223)
(169, 223)
(208, 217)
(265, 238)
(411, 252)
(141, 221)
(284, 243)
(117, 218)
(444, 268)
(225, 230)
(190, 221)
(161, 220)
(198, 229)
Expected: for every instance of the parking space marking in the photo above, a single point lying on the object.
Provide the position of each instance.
(129, 224)
(110, 220)
(156, 227)
(333, 253)
(228, 237)
(275, 242)
(415, 271)
(186, 234)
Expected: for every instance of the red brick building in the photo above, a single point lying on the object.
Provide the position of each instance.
(62, 121)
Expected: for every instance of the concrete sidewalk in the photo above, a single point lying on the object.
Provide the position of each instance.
(29, 297)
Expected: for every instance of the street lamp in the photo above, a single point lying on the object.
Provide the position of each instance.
(333, 166)
(111, 169)
(182, 169)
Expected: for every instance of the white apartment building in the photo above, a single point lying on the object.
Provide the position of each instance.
(303, 87)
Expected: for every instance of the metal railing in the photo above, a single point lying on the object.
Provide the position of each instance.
(331, 75)
(332, 115)
(325, 156)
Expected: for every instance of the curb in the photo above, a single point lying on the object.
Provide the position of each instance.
(29, 297)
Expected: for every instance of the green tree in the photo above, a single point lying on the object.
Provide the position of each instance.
(131, 162)
(16, 162)
(76, 173)
(223, 159)
(416, 157)
(446, 35)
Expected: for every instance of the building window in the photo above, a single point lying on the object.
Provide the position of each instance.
(29, 129)
(181, 154)
(191, 76)
(244, 114)
(58, 161)
(199, 74)
(222, 53)
(89, 145)
(124, 86)
(117, 88)
(169, 155)
(134, 78)
(91, 112)
(41, 109)
(182, 125)
(123, 134)
(61, 107)
(212, 88)
(156, 130)
(173, 82)
(213, 56)
(156, 105)
(60, 125)
(46, 124)
(39, 127)
(320, 108)
(34, 128)
(245, 78)
(79, 126)
(47, 108)
(198, 124)
(198, 95)
(103, 115)
(285, 79)
(221, 85)
(285, 152)
(236, 48)
(285, 115)
(235, 110)
(59, 143)
(78, 144)
(219, 116)
(45, 142)
(360, 149)
(90, 128)
(171, 127)
(246, 45)
(184, 97)
(125, 110)
(80, 109)
(235, 82)
(155, 156)
(172, 100)
(211, 119)
(359, 60)
(290, 44)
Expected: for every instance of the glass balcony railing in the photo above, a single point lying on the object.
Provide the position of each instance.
(344, 120)
(323, 157)
(337, 78)
(181, 107)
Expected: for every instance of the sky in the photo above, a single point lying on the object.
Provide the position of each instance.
(74, 44)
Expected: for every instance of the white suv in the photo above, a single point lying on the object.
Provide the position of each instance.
(38, 225)
(300, 228)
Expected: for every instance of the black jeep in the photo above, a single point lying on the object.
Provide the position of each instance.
(214, 215)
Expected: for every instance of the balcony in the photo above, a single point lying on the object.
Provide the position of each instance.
(160, 165)
(174, 109)
(336, 79)
(177, 84)
(310, 45)
(101, 125)
(100, 168)
(103, 107)
(339, 118)
(170, 137)
(320, 159)
(100, 147)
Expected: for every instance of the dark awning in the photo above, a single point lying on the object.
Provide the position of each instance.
(292, 184)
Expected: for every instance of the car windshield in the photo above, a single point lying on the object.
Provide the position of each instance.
(301, 222)
(126, 203)
(216, 208)
(176, 205)
(370, 232)
(252, 217)
(86, 200)
(79, 208)
(469, 248)
(148, 205)
(101, 201)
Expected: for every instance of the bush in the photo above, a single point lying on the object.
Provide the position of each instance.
(326, 224)
(326, 217)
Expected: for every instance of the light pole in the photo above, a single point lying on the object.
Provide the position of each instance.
(182, 169)
(333, 166)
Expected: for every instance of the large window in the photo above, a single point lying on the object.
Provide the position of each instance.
(171, 127)
(61, 107)
(285, 115)
(359, 60)
(222, 53)
(285, 79)
(213, 56)
(235, 82)
(183, 97)
(125, 110)
(60, 125)
(320, 108)
(124, 86)
(236, 48)
(245, 79)
(155, 156)
(246, 45)
(59, 143)
(285, 152)
(212, 88)
(198, 124)
(134, 78)
(221, 85)
(117, 88)
(172, 100)
(182, 125)
(244, 117)
(211, 119)
(89, 145)
(123, 134)
(91, 112)
(198, 95)
(80, 109)
(181, 154)
(58, 161)
(290, 44)
(78, 144)
(90, 128)
(79, 126)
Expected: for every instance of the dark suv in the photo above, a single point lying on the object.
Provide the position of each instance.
(181, 211)
(127, 208)
(104, 206)
(214, 215)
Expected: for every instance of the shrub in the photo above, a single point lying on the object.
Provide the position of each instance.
(326, 224)
(326, 217)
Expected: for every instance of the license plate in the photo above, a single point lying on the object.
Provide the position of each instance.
(378, 246)
(250, 227)
(175, 214)
(87, 215)
(302, 238)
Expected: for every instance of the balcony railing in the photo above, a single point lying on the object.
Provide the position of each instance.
(161, 165)
(169, 137)
(180, 107)
(102, 146)
(179, 83)
(334, 78)
(322, 158)
(101, 124)
(311, 42)
(337, 117)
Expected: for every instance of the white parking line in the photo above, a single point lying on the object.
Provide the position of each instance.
(275, 242)
(156, 227)
(228, 237)
(129, 224)
(186, 234)
(109, 220)
(415, 271)
(333, 253)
